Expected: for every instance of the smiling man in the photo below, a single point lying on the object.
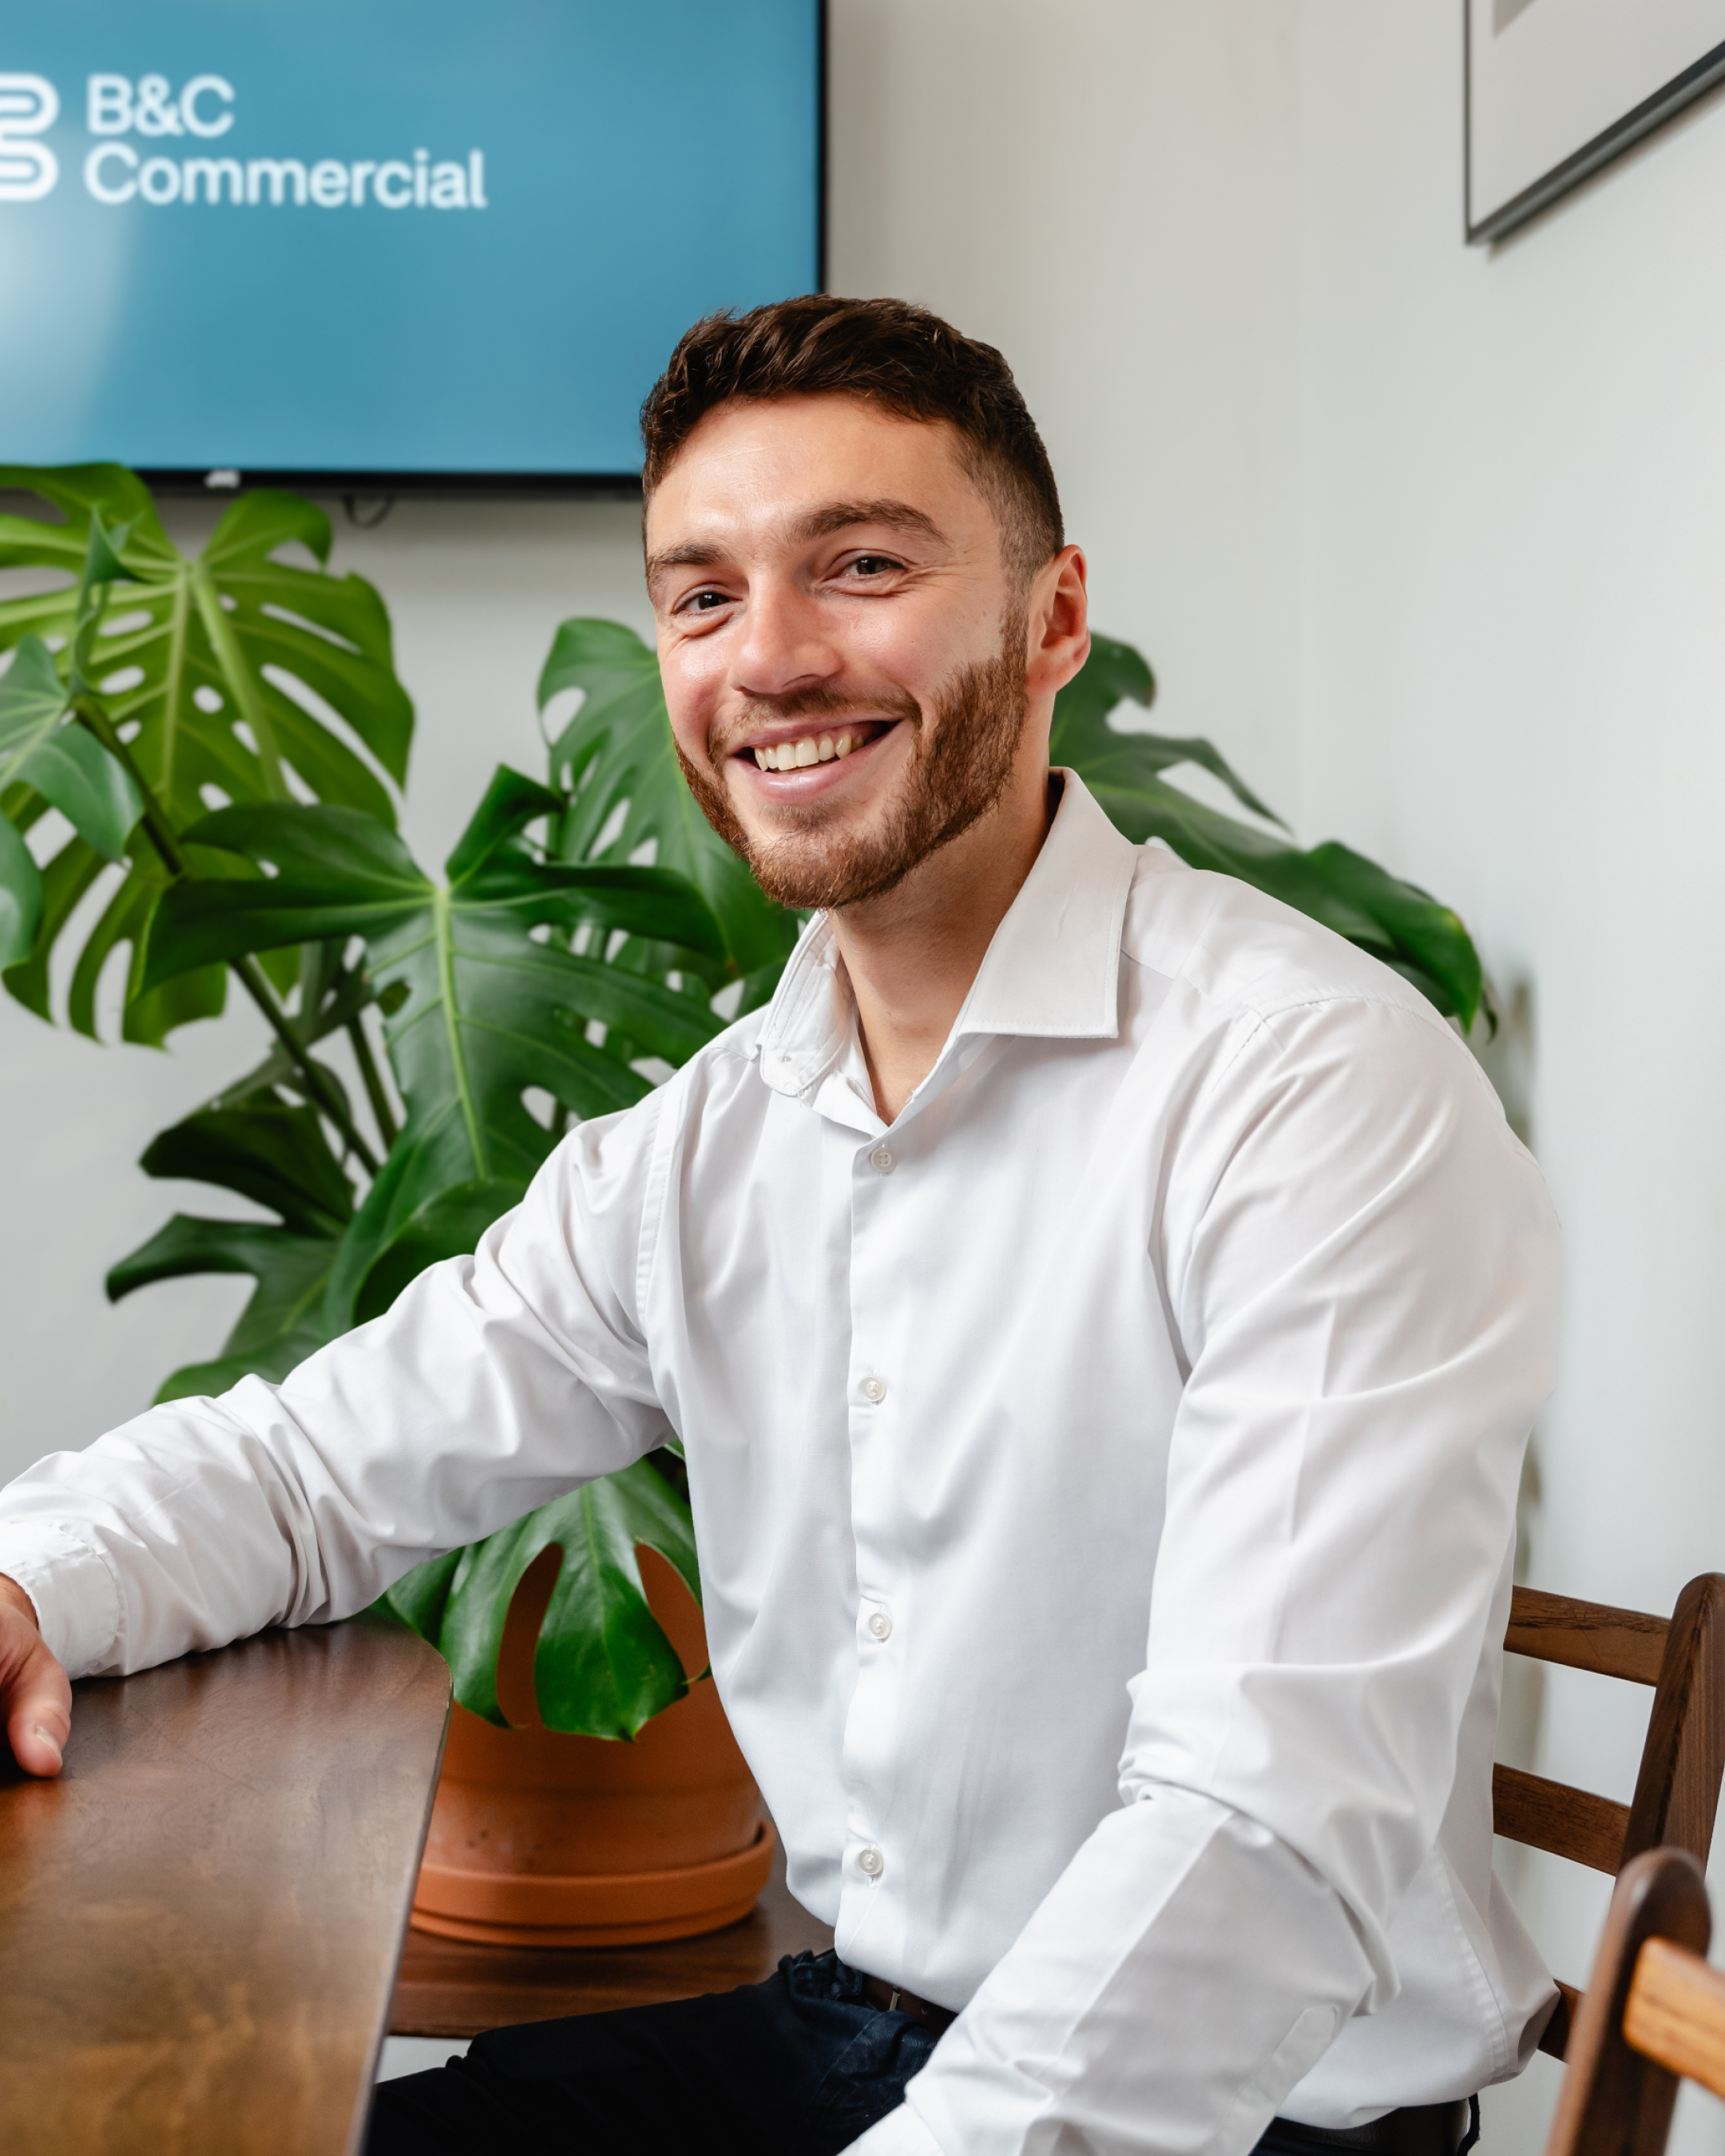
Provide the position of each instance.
(1103, 1313)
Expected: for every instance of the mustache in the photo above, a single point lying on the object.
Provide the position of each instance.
(825, 704)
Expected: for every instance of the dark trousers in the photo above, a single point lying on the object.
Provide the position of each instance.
(799, 2065)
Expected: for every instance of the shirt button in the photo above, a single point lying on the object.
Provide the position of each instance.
(883, 1159)
(881, 1624)
(874, 1389)
(872, 1861)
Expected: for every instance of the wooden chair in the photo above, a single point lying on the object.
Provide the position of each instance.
(1677, 1787)
(1654, 2012)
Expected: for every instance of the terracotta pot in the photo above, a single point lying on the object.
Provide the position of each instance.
(539, 1839)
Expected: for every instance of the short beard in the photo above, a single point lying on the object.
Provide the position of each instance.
(960, 767)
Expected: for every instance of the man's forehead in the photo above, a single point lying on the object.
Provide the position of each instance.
(796, 469)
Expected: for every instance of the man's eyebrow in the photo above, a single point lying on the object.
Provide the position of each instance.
(840, 515)
(821, 523)
(697, 554)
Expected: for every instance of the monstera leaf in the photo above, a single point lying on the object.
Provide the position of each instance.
(1396, 921)
(216, 671)
(603, 1667)
(616, 757)
(277, 1156)
(480, 1009)
(44, 753)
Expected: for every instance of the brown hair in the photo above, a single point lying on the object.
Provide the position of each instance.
(899, 356)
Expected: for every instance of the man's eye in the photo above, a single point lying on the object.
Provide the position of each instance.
(873, 565)
(704, 601)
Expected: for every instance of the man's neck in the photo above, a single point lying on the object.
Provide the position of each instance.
(912, 954)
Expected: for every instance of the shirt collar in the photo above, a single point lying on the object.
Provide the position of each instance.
(1052, 968)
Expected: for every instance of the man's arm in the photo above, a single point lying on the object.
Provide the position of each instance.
(35, 1696)
(1362, 1268)
(493, 1385)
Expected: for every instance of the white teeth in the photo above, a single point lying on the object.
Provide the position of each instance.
(798, 755)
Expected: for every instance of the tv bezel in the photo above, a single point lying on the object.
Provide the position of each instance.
(222, 483)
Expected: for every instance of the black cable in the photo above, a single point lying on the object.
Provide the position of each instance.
(381, 507)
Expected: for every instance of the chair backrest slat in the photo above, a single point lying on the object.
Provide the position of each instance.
(1677, 1785)
(1551, 1815)
(1676, 2012)
(1586, 1635)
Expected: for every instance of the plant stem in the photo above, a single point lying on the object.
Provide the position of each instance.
(312, 1075)
(89, 714)
(373, 1081)
(95, 720)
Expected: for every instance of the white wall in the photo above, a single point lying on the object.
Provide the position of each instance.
(1513, 655)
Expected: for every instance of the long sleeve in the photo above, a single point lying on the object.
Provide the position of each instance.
(1104, 1480)
(1361, 1264)
(494, 1383)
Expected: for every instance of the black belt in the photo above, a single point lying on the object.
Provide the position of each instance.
(1421, 2129)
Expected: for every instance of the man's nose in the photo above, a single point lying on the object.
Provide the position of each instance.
(786, 644)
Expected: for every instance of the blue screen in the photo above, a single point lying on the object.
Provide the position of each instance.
(387, 236)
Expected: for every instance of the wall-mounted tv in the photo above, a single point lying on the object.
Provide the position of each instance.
(381, 246)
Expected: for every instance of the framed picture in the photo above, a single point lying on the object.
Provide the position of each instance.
(1557, 88)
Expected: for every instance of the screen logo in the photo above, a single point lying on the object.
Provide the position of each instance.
(203, 109)
(29, 106)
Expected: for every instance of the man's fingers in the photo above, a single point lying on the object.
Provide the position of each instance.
(38, 1711)
(39, 1740)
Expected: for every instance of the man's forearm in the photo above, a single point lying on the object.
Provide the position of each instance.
(13, 1597)
(1184, 1973)
(470, 1404)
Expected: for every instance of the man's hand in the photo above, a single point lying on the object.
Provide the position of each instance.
(35, 1695)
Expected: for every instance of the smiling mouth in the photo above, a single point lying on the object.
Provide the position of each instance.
(819, 745)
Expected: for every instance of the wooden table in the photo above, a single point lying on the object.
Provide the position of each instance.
(199, 1921)
(446, 1988)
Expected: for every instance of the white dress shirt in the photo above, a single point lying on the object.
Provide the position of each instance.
(1105, 1481)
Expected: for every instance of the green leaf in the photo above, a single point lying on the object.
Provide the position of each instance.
(276, 1154)
(421, 1596)
(227, 665)
(617, 753)
(448, 1226)
(33, 702)
(272, 1154)
(93, 792)
(603, 1666)
(62, 762)
(1396, 921)
(20, 897)
(279, 1326)
(488, 1011)
(102, 562)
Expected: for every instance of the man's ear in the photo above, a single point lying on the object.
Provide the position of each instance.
(1058, 624)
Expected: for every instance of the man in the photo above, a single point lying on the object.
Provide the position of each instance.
(1103, 1310)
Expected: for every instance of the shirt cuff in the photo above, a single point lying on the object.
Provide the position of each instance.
(76, 1596)
(901, 2132)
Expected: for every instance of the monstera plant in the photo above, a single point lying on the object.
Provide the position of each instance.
(180, 716)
